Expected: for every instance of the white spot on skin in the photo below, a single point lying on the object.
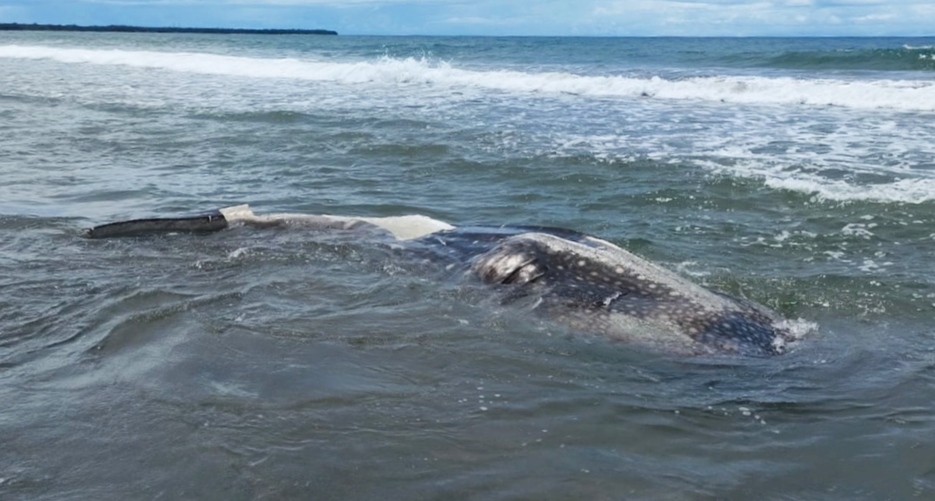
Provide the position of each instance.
(611, 298)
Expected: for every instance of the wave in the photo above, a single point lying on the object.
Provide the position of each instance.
(906, 191)
(902, 95)
(906, 58)
(902, 191)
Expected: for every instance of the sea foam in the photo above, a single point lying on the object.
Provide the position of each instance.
(891, 94)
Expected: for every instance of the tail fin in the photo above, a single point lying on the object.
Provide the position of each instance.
(202, 223)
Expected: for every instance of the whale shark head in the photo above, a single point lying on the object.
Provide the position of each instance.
(595, 286)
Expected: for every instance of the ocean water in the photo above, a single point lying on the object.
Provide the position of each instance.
(284, 364)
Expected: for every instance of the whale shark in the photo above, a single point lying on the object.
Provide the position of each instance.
(581, 281)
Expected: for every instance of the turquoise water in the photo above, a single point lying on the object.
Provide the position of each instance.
(255, 364)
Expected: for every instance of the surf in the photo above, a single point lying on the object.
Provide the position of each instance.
(886, 94)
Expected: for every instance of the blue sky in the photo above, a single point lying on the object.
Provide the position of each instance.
(502, 17)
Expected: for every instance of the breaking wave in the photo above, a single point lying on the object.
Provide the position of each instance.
(891, 94)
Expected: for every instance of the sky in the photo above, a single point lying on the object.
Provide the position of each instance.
(502, 17)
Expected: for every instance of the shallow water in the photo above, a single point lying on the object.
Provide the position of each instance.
(272, 364)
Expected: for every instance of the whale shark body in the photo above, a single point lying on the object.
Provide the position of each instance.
(586, 283)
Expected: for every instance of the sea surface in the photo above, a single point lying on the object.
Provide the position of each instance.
(287, 364)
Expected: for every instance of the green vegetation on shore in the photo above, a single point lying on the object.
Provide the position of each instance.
(146, 29)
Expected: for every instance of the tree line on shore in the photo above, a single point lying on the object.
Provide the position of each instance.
(166, 29)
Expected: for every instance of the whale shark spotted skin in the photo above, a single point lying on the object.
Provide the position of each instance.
(596, 286)
(581, 281)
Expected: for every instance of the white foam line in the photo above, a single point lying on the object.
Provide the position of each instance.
(905, 95)
(913, 191)
(910, 190)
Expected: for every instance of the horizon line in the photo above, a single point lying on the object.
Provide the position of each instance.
(127, 28)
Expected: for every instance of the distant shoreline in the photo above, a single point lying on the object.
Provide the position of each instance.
(146, 29)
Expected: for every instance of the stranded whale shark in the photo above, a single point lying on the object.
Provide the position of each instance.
(579, 280)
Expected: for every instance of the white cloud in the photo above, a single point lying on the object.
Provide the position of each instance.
(874, 18)
(487, 21)
(774, 17)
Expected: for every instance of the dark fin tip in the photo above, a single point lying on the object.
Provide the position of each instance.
(203, 223)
